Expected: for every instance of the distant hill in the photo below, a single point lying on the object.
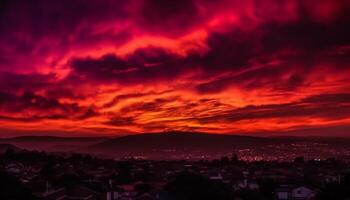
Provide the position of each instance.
(5, 147)
(163, 145)
(184, 145)
(52, 144)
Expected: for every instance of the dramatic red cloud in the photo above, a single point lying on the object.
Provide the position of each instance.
(118, 67)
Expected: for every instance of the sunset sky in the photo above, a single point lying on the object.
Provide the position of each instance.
(257, 67)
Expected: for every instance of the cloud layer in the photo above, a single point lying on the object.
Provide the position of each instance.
(257, 67)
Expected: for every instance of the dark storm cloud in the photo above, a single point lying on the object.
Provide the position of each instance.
(41, 18)
(36, 29)
(122, 97)
(305, 34)
(18, 82)
(39, 107)
(333, 99)
(58, 92)
(307, 40)
(324, 106)
(121, 121)
(174, 17)
(265, 77)
(14, 83)
(155, 105)
(144, 66)
(104, 68)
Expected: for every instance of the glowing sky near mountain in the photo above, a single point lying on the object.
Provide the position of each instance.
(79, 67)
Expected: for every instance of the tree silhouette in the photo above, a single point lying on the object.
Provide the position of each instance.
(11, 188)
